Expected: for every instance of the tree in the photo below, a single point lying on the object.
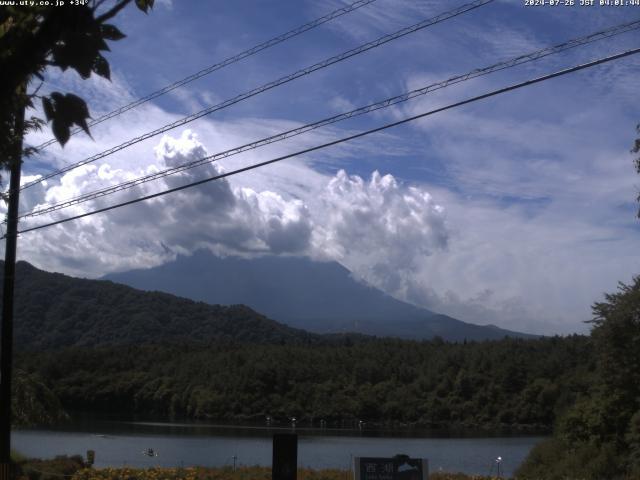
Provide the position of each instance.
(616, 335)
(34, 38)
(599, 437)
(636, 149)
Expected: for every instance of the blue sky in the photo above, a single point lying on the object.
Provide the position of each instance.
(517, 211)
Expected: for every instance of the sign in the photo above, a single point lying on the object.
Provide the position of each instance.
(400, 467)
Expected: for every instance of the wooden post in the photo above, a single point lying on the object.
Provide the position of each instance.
(285, 457)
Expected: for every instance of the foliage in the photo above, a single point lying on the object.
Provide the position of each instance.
(636, 149)
(227, 473)
(558, 459)
(616, 335)
(632, 439)
(518, 384)
(32, 402)
(35, 37)
(50, 469)
(599, 437)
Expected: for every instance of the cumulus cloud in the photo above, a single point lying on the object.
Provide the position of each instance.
(378, 228)
(217, 216)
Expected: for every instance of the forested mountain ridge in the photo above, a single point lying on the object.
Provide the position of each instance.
(53, 310)
(320, 297)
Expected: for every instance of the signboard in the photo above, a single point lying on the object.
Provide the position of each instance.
(400, 467)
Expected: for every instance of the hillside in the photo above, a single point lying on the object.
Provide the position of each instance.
(54, 310)
(320, 297)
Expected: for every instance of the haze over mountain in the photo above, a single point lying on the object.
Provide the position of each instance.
(320, 297)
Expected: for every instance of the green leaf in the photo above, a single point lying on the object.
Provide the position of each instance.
(144, 5)
(64, 111)
(101, 67)
(60, 130)
(111, 32)
(57, 97)
(83, 67)
(102, 45)
(76, 110)
(47, 106)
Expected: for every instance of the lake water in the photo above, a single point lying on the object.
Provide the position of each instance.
(123, 443)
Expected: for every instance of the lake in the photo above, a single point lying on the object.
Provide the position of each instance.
(185, 444)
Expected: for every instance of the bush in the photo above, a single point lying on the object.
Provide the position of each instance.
(557, 459)
(53, 469)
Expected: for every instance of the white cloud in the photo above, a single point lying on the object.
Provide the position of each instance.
(216, 216)
(348, 219)
(341, 104)
(381, 17)
(379, 228)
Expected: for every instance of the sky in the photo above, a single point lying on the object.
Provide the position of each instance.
(518, 210)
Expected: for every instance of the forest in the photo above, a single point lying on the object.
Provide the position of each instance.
(515, 384)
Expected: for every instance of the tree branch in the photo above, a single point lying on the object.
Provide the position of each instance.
(35, 92)
(113, 12)
(97, 4)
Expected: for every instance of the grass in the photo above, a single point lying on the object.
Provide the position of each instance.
(73, 468)
(227, 473)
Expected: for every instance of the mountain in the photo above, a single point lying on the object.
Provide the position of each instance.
(320, 297)
(54, 311)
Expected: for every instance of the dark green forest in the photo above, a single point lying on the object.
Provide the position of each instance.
(521, 384)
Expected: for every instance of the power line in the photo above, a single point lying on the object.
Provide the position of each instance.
(288, 78)
(519, 60)
(224, 63)
(344, 139)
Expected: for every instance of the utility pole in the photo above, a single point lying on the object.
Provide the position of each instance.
(6, 330)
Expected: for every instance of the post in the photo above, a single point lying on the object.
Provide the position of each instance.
(285, 457)
(6, 330)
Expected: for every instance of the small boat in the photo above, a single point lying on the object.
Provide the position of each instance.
(149, 452)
